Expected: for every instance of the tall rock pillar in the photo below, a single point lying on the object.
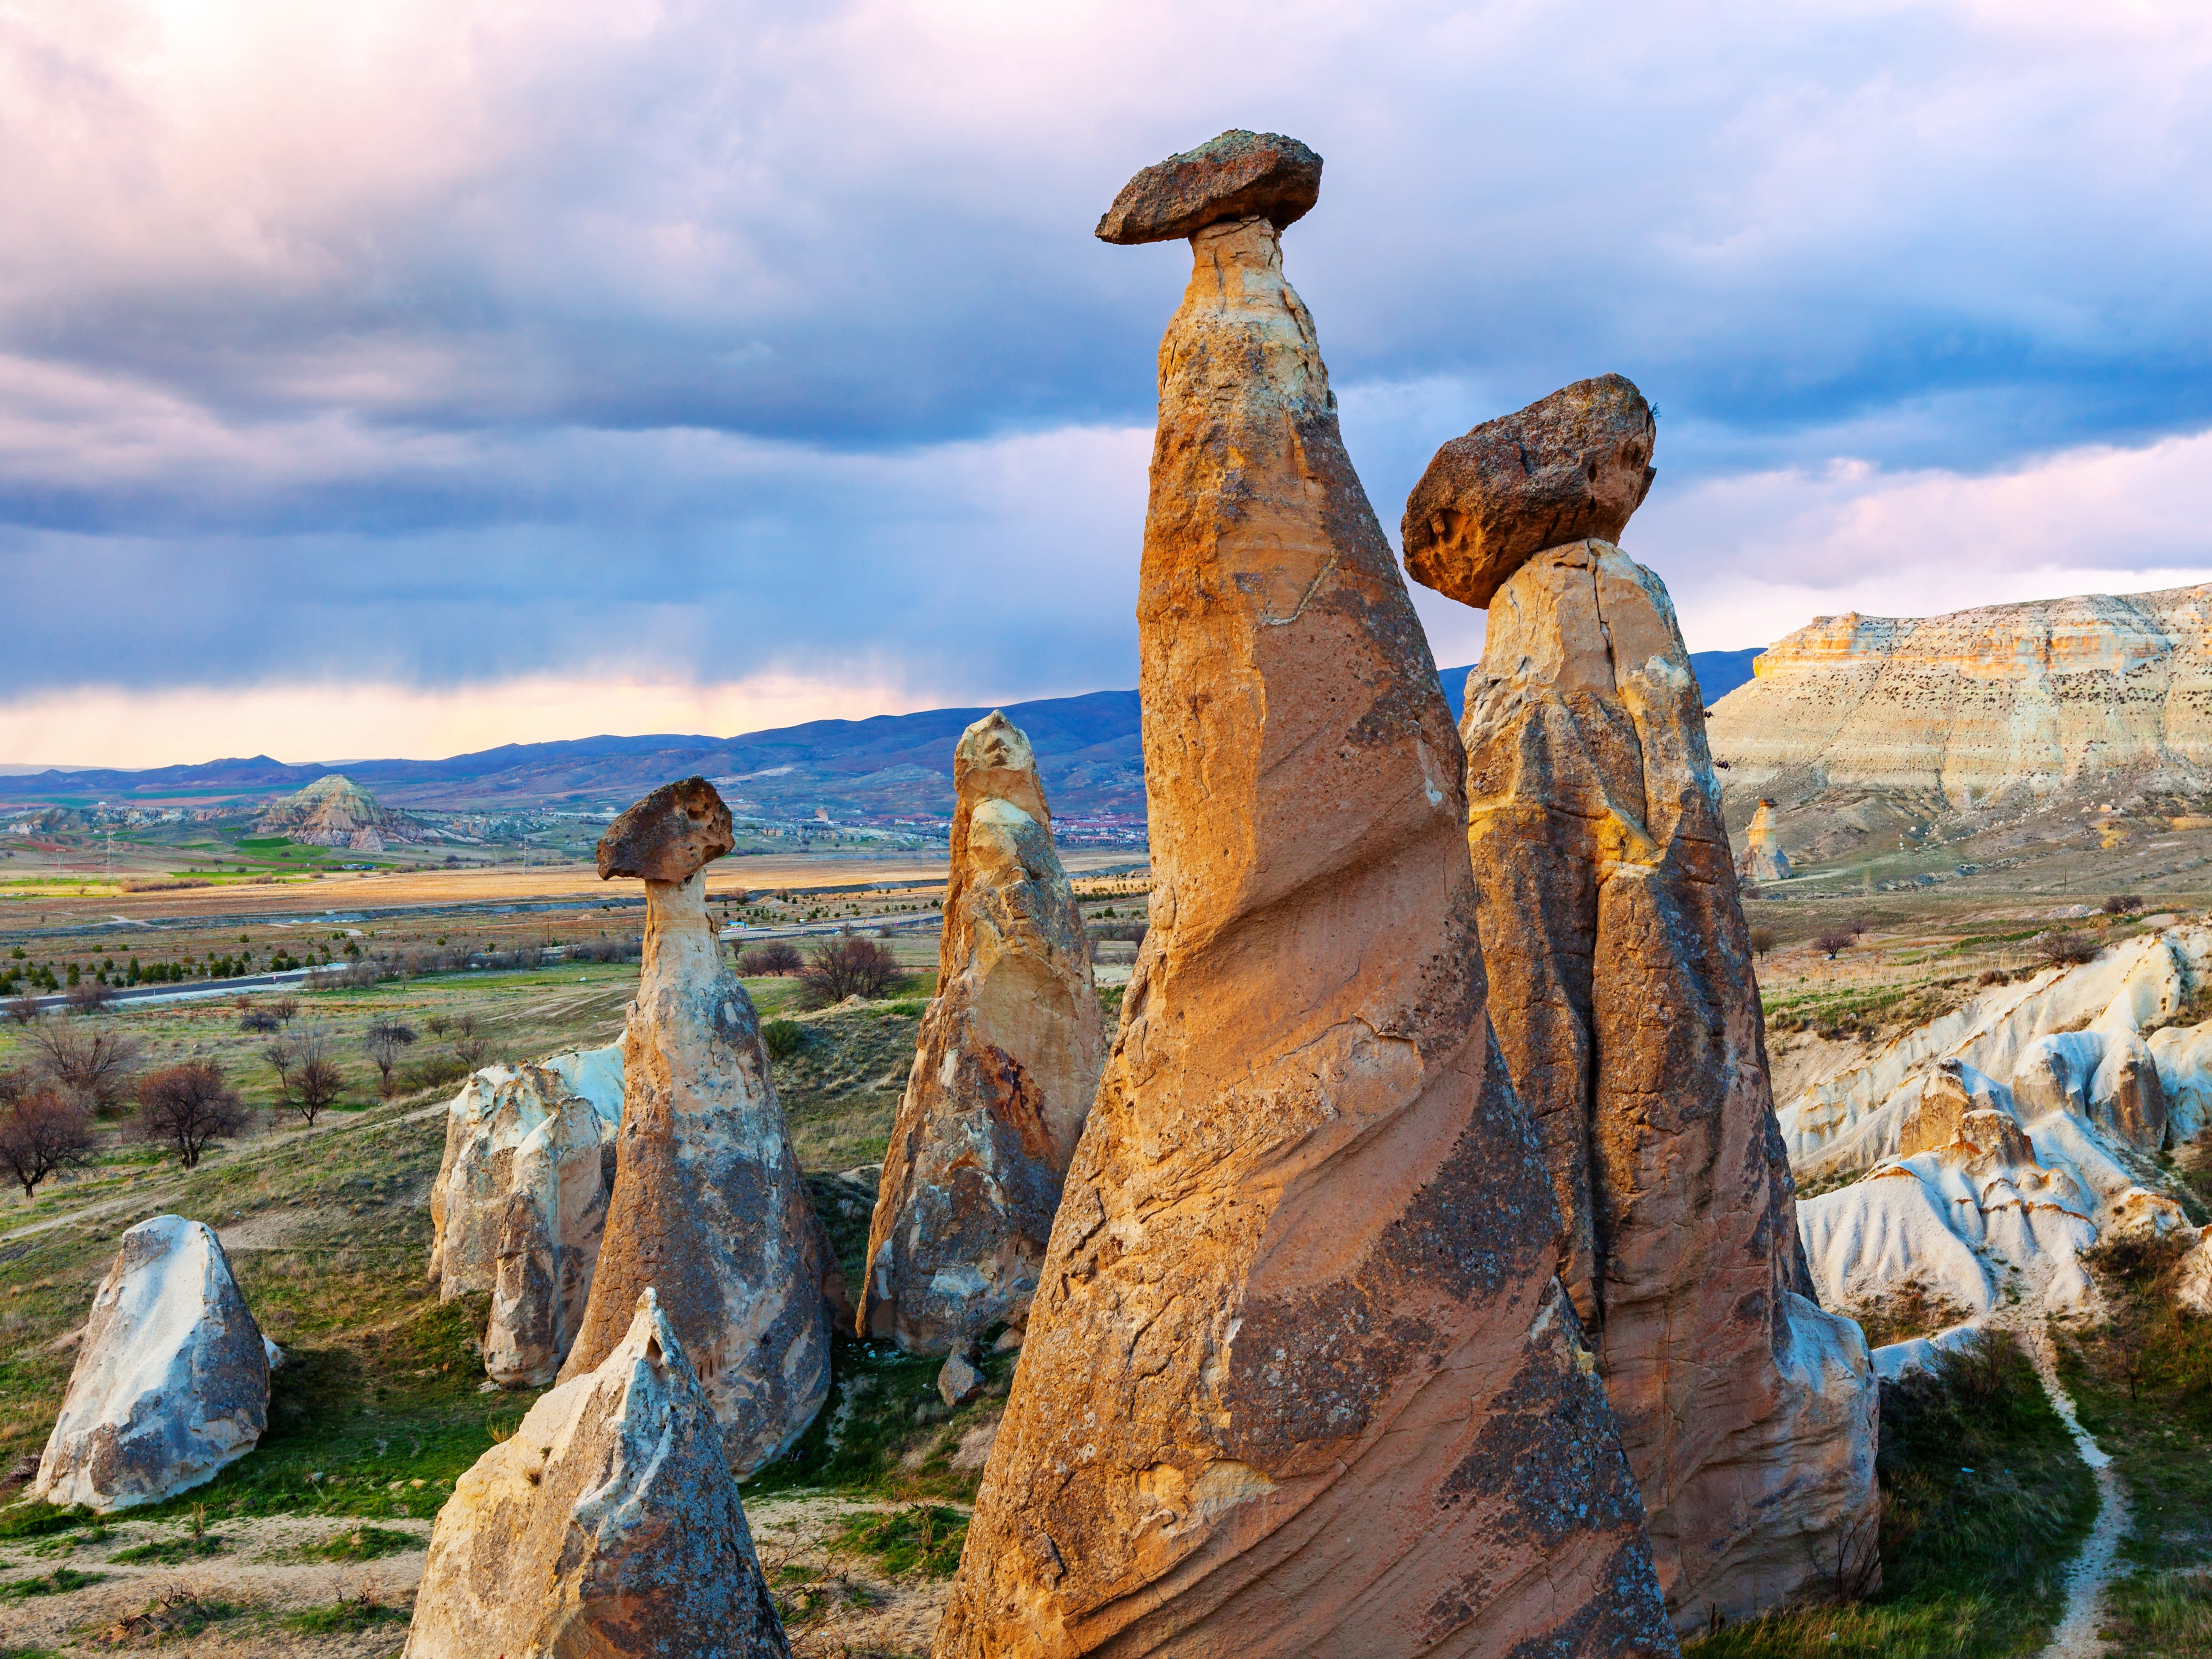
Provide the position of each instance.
(1622, 996)
(708, 1208)
(1003, 1073)
(1299, 1379)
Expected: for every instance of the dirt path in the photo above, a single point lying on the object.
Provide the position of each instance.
(2097, 1564)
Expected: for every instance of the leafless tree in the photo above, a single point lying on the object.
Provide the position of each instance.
(438, 1024)
(186, 1107)
(1762, 940)
(96, 1065)
(384, 1043)
(42, 1130)
(88, 996)
(317, 1081)
(2063, 947)
(472, 1043)
(286, 1009)
(258, 1019)
(1834, 940)
(774, 956)
(23, 1008)
(843, 968)
(283, 1059)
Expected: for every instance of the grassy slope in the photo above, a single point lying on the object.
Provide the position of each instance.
(382, 1389)
(1984, 1501)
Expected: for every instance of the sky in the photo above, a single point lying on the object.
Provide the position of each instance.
(409, 378)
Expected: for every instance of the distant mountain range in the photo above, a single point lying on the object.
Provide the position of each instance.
(891, 766)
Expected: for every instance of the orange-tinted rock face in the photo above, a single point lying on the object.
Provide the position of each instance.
(1622, 991)
(708, 1208)
(2035, 698)
(1004, 1071)
(1298, 1379)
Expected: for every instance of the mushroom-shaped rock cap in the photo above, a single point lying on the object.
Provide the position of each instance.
(669, 835)
(1238, 175)
(1576, 464)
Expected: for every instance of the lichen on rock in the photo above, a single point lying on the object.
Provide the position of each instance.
(1005, 1064)
(609, 1524)
(1623, 995)
(172, 1376)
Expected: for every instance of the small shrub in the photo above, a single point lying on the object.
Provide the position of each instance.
(2122, 904)
(845, 968)
(924, 1538)
(362, 1609)
(258, 1020)
(774, 958)
(2063, 947)
(60, 1582)
(363, 1543)
(1762, 940)
(783, 1037)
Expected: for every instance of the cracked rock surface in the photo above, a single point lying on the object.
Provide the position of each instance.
(172, 1376)
(1004, 1070)
(1299, 1378)
(609, 1524)
(1623, 994)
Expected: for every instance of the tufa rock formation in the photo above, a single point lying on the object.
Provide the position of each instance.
(1622, 992)
(708, 1207)
(1299, 1378)
(171, 1377)
(1763, 858)
(520, 1203)
(609, 1525)
(2005, 702)
(336, 811)
(1003, 1074)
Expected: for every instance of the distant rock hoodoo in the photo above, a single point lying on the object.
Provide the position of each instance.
(1762, 859)
(609, 1524)
(1299, 1378)
(708, 1207)
(1622, 993)
(336, 811)
(1003, 1074)
(171, 1377)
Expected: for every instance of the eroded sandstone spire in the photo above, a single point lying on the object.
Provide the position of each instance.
(708, 1207)
(1299, 1378)
(1623, 995)
(609, 1524)
(1003, 1074)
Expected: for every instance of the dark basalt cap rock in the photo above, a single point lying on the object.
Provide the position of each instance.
(675, 831)
(1237, 176)
(1575, 464)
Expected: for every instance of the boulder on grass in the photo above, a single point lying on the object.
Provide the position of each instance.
(608, 1526)
(171, 1377)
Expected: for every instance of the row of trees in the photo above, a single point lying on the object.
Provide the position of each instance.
(847, 966)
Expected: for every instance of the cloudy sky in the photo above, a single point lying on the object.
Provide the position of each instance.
(415, 377)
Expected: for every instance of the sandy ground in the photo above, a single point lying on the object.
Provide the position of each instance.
(259, 1572)
(841, 1605)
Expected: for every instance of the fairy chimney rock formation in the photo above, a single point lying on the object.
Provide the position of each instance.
(1004, 1070)
(1763, 857)
(172, 1376)
(1299, 1378)
(708, 1207)
(608, 1524)
(1623, 995)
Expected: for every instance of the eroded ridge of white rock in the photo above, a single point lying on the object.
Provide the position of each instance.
(608, 1526)
(709, 1208)
(1299, 1378)
(171, 1377)
(1995, 1144)
(2035, 698)
(520, 1203)
(1005, 1064)
(1626, 1005)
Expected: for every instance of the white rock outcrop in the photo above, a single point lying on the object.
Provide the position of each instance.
(608, 1526)
(520, 1206)
(171, 1377)
(2003, 1139)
